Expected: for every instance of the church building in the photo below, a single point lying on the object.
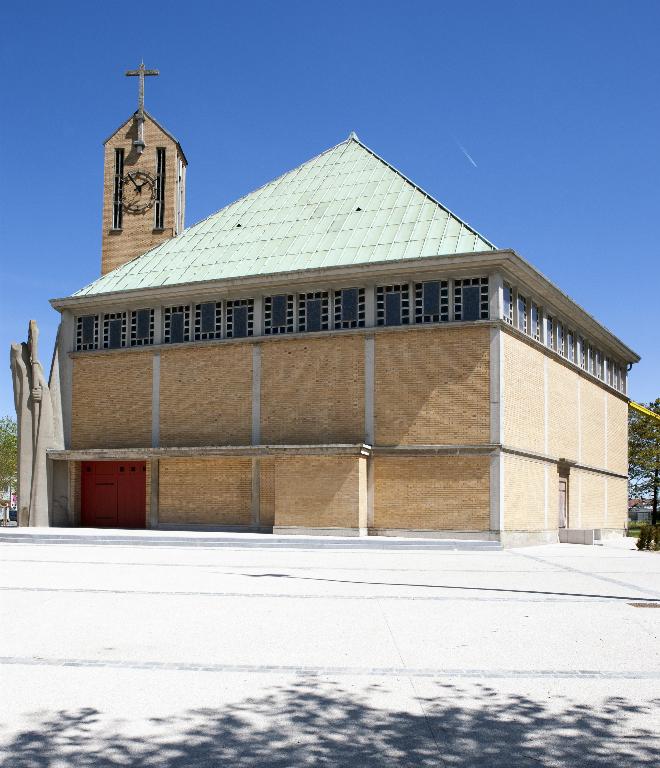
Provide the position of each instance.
(333, 353)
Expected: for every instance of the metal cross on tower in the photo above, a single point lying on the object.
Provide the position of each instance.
(141, 72)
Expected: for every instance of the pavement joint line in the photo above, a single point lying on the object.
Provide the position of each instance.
(571, 569)
(330, 670)
(612, 599)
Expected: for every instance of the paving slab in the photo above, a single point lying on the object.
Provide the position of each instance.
(137, 655)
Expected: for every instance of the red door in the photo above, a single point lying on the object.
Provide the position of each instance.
(113, 494)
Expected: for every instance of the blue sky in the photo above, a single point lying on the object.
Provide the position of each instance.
(557, 105)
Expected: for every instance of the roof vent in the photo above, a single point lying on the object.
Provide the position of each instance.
(239, 224)
(358, 208)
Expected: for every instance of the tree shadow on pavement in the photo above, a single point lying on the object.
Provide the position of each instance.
(315, 723)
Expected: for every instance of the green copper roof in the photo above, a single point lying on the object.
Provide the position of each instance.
(345, 206)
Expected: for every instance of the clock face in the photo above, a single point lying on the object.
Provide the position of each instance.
(139, 191)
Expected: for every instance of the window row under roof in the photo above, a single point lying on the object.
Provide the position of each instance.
(394, 304)
(527, 316)
(344, 308)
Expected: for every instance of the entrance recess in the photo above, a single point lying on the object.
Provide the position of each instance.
(563, 502)
(113, 494)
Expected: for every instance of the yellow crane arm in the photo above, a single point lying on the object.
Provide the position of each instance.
(637, 407)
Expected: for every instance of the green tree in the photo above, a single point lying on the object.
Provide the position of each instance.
(8, 453)
(644, 456)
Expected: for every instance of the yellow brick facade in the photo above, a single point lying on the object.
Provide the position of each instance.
(432, 493)
(432, 386)
(522, 398)
(592, 424)
(112, 400)
(267, 491)
(563, 411)
(206, 395)
(320, 492)
(137, 234)
(525, 494)
(312, 390)
(205, 491)
(617, 435)
(617, 502)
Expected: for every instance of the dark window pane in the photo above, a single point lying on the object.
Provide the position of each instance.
(278, 310)
(313, 320)
(176, 327)
(239, 322)
(114, 333)
(393, 308)
(470, 303)
(349, 304)
(143, 323)
(431, 298)
(208, 317)
(88, 329)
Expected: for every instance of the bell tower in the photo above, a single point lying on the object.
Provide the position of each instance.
(144, 185)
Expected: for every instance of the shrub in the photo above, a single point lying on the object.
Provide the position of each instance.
(649, 537)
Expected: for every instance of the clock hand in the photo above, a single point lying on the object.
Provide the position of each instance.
(130, 176)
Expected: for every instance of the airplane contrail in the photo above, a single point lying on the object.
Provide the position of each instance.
(466, 153)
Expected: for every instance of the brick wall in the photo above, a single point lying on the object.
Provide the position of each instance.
(617, 435)
(205, 491)
(592, 499)
(592, 402)
(318, 492)
(206, 395)
(577, 410)
(432, 386)
(267, 491)
(523, 395)
(617, 503)
(137, 234)
(312, 390)
(432, 493)
(562, 411)
(112, 401)
(524, 494)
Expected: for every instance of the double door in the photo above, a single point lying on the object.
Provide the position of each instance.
(113, 494)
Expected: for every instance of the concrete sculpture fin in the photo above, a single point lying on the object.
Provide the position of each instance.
(38, 429)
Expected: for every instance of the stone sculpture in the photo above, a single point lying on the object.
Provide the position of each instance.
(37, 428)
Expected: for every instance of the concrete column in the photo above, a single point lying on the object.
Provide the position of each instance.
(155, 400)
(158, 325)
(362, 496)
(496, 298)
(256, 394)
(497, 491)
(153, 508)
(370, 492)
(370, 306)
(514, 300)
(258, 316)
(369, 373)
(544, 327)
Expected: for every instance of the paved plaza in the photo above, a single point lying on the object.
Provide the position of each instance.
(251, 650)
